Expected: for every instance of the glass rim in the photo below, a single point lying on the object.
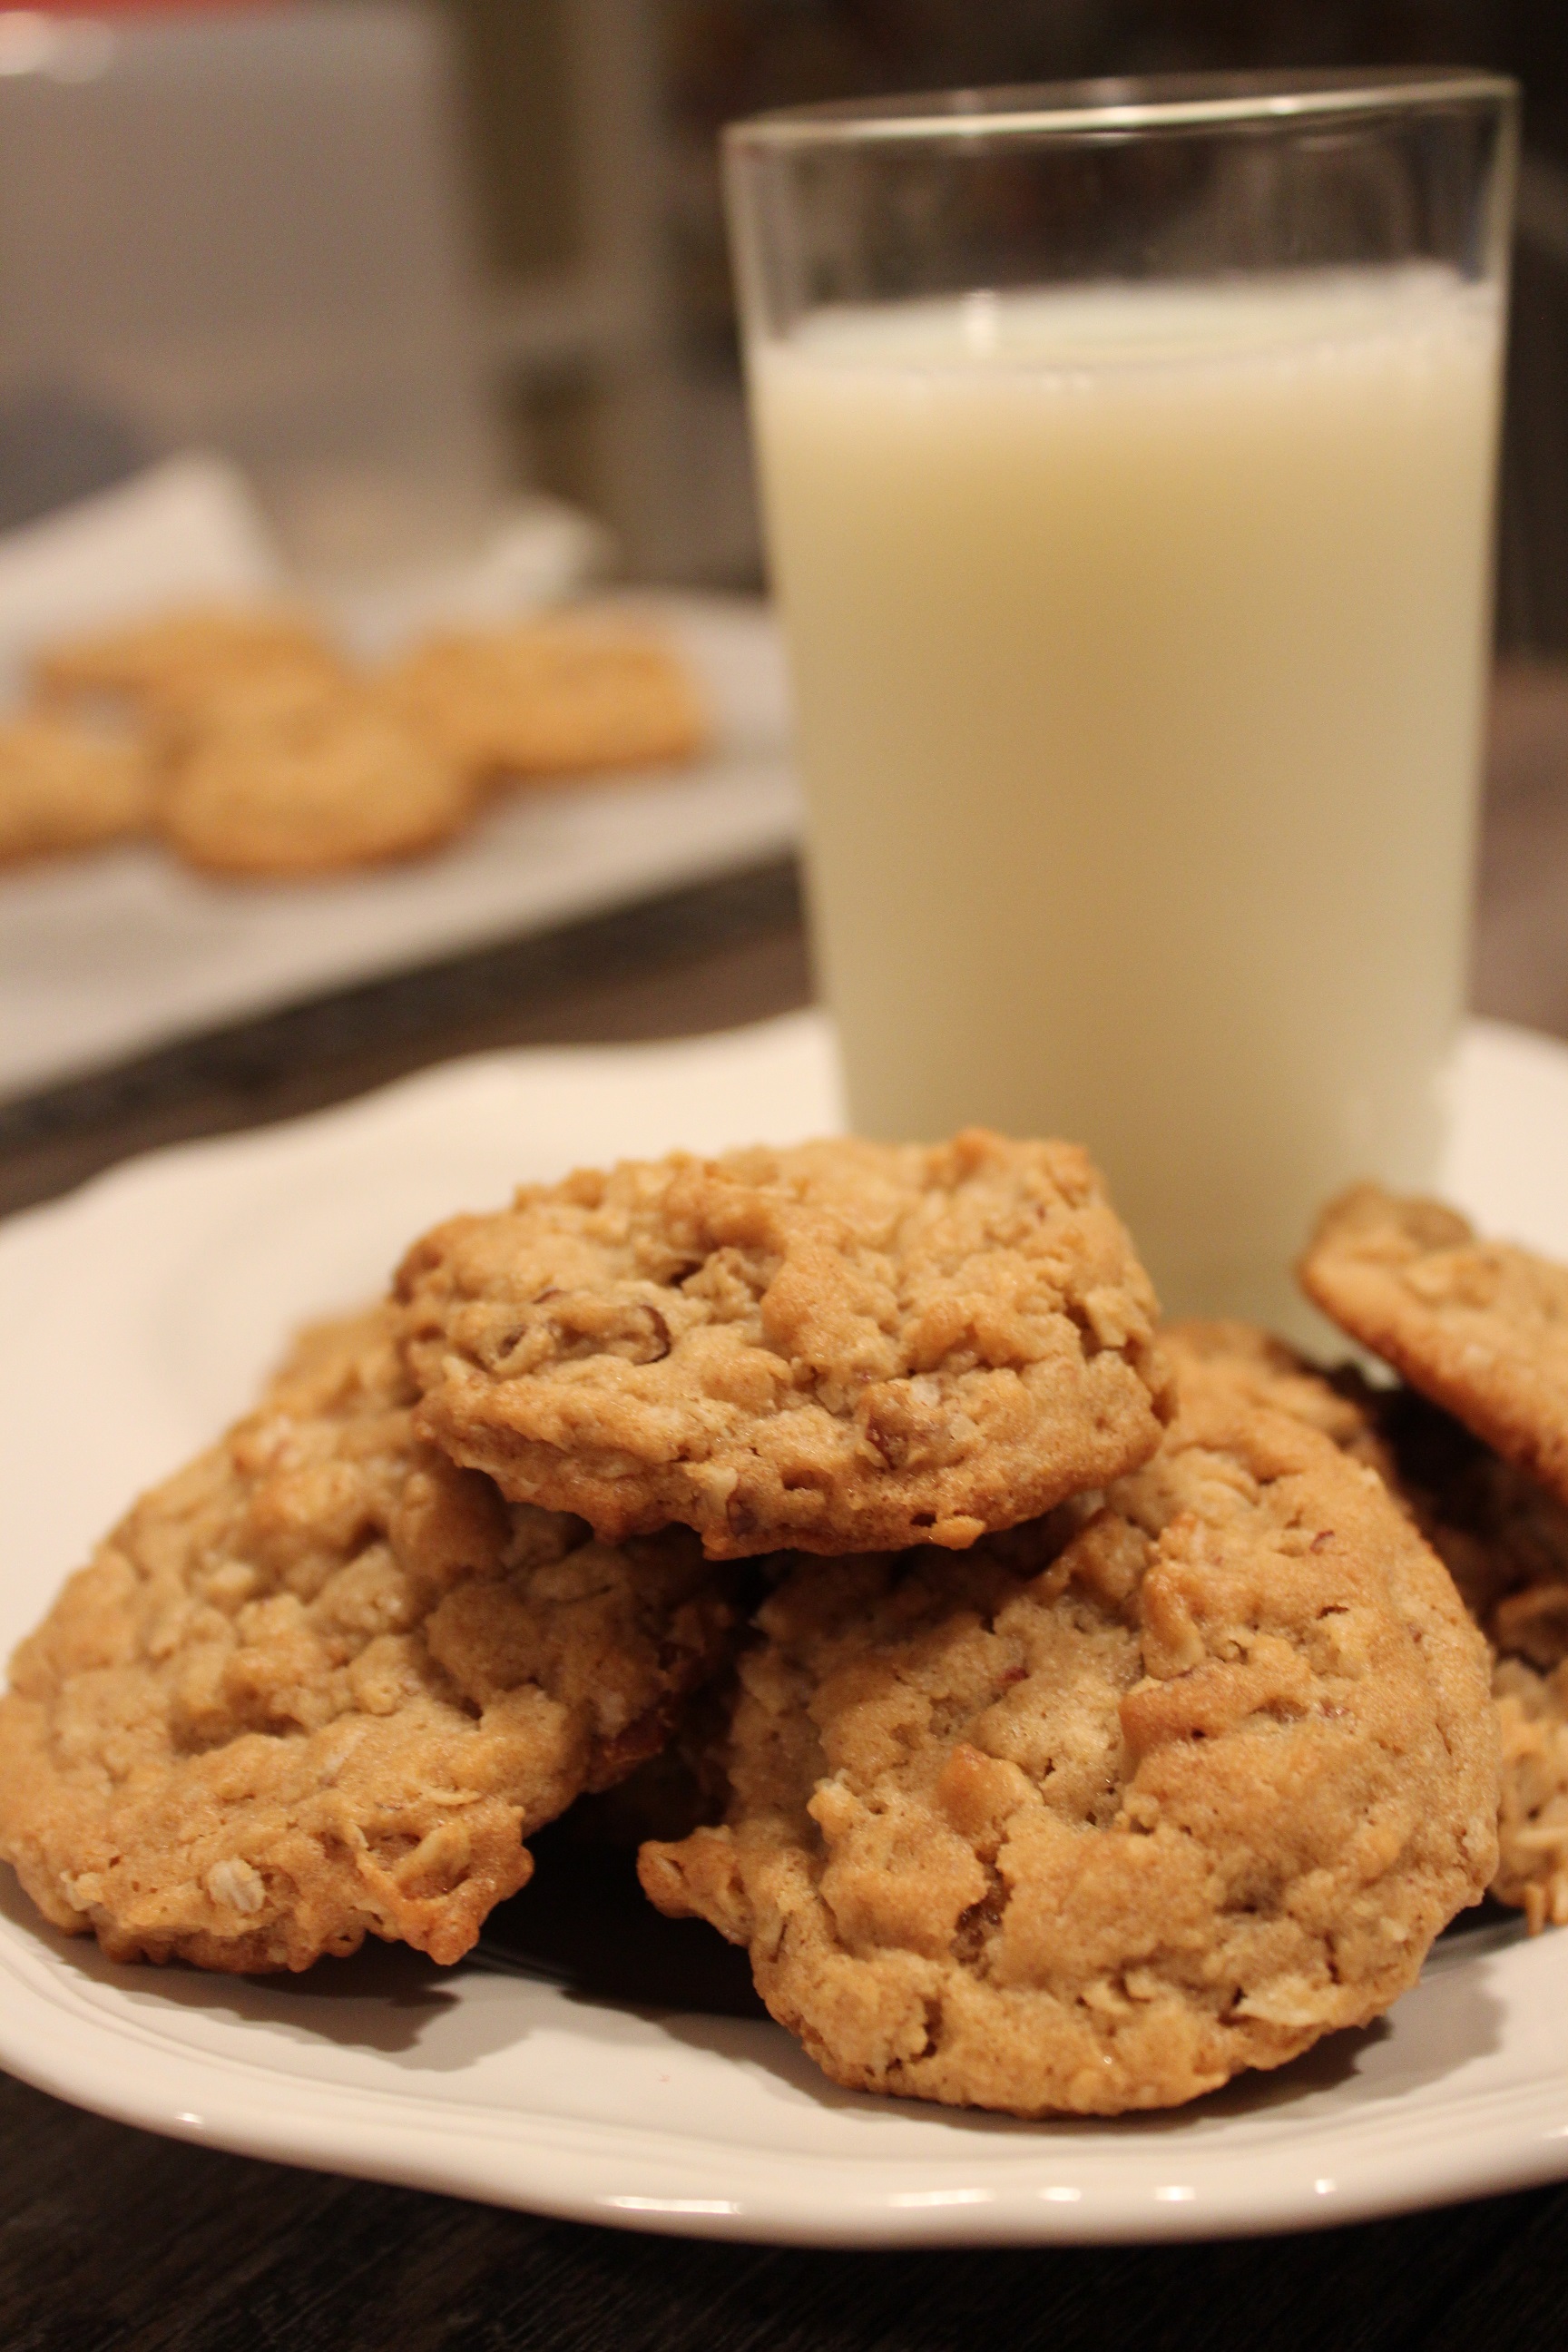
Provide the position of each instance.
(1069, 110)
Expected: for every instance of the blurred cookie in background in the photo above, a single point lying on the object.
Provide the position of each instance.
(554, 697)
(293, 777)
(178, 652)
(66, 785)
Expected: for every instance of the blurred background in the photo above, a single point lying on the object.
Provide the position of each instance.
(595, 125)
(422, 308)
(405, 259)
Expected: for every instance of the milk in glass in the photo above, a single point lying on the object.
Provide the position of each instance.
(1139, 643)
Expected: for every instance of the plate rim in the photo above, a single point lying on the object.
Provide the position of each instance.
(571, 2168)
(55, 2035)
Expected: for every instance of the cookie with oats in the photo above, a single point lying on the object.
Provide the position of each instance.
(64, 786)
(840, 1346)
(1503, 1538)
(190, 708)
(175, 652)
(1532, 1827)
(551, 697)
(1163, 1787)
(1481, 1327)
(290, 778)
(322, 1685)
(1271, 1372)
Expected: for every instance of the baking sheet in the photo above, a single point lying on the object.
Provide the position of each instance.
(110, 954)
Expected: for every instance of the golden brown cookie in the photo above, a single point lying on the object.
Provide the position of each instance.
(64, 786)
(1274, 1374)
(552, 698)
(842, 1347)
(322, 1684)
(1111, 1808)
(179, 651)
(1532, 1869)
(190, 707)
(1503, 1538)
(1495, 1529)
(1481, 1327)
(289, 776)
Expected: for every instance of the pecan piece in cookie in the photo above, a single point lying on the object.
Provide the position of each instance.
(322, 1684)
(1115, 1806)
(842, 1346)
(1481, 1327)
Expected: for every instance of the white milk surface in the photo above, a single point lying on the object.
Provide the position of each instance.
(1139, 643)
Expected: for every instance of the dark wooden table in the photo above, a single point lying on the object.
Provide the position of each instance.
(109, 2238)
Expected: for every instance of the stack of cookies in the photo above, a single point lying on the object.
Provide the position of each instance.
(250, 744)
(1093, 1720)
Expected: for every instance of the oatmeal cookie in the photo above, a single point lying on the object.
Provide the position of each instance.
(1501, 1536)
(177, 652)
(1504, 1540)
(65, 786)
(190, 708)
(1533, 1709)
(1163, 1787)
(1273, 1373)
(321, 1683)
(842, 1347)
(551, 697)
(1481, 1327)
(287, 779)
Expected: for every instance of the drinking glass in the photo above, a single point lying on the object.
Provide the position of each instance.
(1128, 455)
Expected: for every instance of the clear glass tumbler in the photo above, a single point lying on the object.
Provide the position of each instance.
(1128, 457)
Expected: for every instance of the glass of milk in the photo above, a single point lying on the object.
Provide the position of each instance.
(1128, 457)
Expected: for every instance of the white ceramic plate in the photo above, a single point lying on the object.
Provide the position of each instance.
(138, 1314)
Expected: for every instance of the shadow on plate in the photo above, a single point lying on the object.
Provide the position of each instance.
(385, 1998)
(1357, 2069)
(583, 1928)
(583, 1922)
